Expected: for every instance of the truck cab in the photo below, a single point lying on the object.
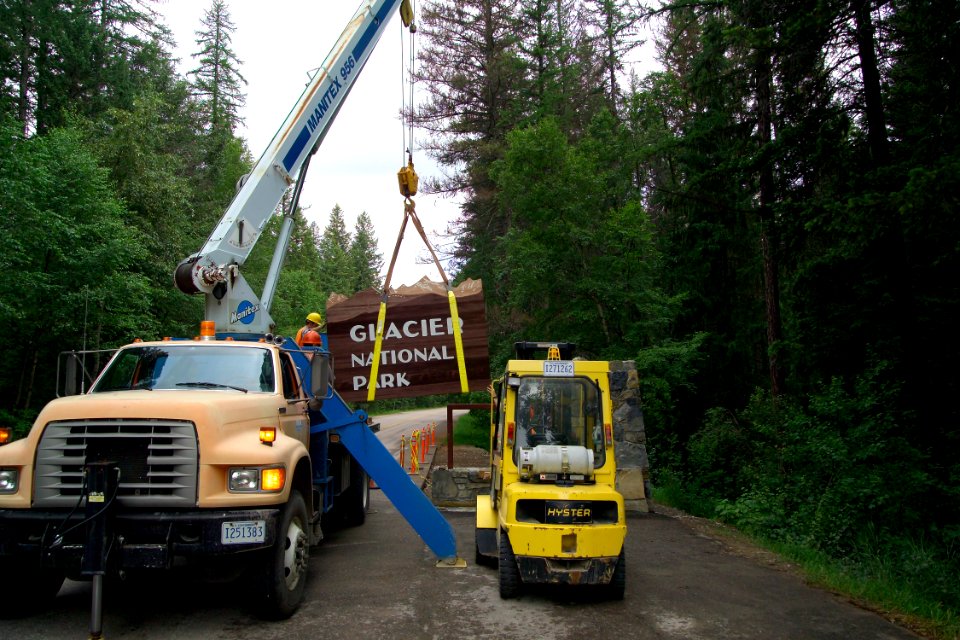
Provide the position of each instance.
(184, 451)
(553, 515)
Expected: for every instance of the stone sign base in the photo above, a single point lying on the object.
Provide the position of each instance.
(458, 487)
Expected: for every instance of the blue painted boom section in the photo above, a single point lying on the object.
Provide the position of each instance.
(335, 415)
(400, 489)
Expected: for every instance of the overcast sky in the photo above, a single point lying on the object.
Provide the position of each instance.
(279, 43)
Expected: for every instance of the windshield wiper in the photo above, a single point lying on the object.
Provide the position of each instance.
(210, 385)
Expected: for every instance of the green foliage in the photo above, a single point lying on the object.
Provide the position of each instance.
(818, 474)
(473, 429)
(334, 247)
(148, 150)
(631, 226)
(672, 489)
(64, 237)
(299, 289)
(365, 260)
(667, 372)
(565, 283)
(20, 420)
(58, 58)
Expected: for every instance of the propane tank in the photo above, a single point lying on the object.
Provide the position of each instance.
(556, 459)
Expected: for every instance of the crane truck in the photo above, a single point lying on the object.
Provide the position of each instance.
(231, 448)
(553, 514)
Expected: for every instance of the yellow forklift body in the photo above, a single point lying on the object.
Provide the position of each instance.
(553, 514)
(602, 536)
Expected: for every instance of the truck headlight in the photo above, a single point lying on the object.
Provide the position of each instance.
(256, 479)
(9, 480)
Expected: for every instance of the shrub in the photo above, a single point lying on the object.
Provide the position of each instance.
(473, 428)
(818, 473)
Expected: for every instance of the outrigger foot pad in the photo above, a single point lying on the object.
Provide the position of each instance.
(452, 563)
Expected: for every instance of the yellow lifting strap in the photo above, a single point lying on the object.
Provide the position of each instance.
(408, 181)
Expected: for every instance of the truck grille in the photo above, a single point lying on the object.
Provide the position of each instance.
(157, 461)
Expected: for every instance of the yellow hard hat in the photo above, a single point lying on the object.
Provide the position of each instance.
(315, 318)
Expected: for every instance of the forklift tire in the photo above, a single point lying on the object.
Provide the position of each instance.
(507, 570)
(356, 499)
(283, 567)
(618, 583)
(35, 588)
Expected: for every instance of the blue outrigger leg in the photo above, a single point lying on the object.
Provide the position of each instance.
(336, 416)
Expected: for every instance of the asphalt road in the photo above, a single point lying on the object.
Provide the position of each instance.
(380, 581)
(395, 425)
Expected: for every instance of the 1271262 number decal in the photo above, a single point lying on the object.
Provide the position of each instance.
(558, 367)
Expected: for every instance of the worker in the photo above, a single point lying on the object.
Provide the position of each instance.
(314, 322)
(311, 338)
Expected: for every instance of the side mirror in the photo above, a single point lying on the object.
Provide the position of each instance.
(70, 382)
(320, 375)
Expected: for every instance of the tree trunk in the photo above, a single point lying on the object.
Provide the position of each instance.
(870, 74)
(768, 234)
(31, 378)
(23, 97)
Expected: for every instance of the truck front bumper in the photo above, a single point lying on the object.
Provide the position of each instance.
(139, 539)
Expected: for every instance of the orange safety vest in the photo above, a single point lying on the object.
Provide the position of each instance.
(299, 338)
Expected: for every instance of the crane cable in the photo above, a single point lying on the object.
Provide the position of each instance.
(408, 183)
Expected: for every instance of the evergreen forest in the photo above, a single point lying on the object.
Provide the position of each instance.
(766, 223)
(113, 169)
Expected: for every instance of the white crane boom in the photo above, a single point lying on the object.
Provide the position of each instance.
(215, 269)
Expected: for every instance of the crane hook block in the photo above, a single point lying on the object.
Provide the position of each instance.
(408, 180)
(406, 13)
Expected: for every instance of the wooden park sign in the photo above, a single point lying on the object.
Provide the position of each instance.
(418, 356)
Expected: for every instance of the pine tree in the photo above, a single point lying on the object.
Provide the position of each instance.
(336, 270)
(614, 24)
(66, 57)
(366, 261)
(217, 80)
(471, 70)
(562, 71)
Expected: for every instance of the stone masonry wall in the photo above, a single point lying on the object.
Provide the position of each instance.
(459, 487)
(629, 434)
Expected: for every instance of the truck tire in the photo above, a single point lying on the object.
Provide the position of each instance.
(618, 583)
(356, 499)
(35, 587)
(507, 570)
(284, 566)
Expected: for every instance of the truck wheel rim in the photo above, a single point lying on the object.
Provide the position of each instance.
(294, 554)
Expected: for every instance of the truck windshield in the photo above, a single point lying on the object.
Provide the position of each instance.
(560, 411)
(189, 367)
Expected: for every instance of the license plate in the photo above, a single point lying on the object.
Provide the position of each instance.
(568, 512)
(558, 367)
(243, 532)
